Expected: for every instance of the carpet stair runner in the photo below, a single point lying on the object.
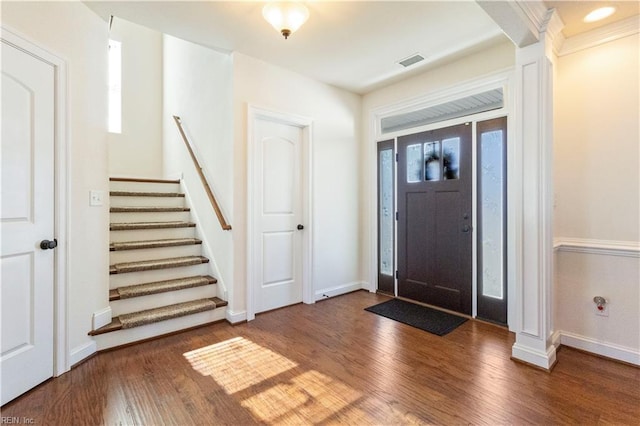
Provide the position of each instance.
(133, 245)
(160, 287)
(150, 316)
(144, 194)
(144, 304)
(148, 265)
(148, 209)
(149, 225)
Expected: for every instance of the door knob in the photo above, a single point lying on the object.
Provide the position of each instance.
(300, 227)
(47, 244)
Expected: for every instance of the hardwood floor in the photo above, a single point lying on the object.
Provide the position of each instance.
(330, 363)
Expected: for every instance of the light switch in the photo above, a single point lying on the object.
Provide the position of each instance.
(96, 197)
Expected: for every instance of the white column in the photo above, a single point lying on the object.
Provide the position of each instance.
(534, 145)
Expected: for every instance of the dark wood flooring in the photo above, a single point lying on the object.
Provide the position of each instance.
(331, 363)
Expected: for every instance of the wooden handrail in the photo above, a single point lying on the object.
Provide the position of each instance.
(207, 188)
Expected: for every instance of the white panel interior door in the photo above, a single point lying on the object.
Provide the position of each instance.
(277, 190)
(27, 217)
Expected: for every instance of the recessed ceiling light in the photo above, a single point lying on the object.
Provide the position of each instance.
(599, 14)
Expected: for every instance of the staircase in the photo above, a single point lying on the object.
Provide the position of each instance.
(159, 280)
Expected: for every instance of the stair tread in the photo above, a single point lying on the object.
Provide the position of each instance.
(143, 180)
(148, 265)
(126, 226)
(144, 194)
(150, 316)
(148, 209)
(155, 287)
(147, 244)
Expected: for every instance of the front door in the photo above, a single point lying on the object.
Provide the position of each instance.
(26, 218)
(277, 193)
(434, 217)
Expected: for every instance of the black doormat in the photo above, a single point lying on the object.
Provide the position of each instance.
(422, 317)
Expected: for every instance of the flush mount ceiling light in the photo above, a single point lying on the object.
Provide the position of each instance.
(599, 14)
(285, 17)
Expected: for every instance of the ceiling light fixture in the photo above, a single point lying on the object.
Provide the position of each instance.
(285, 17)
(598, 14)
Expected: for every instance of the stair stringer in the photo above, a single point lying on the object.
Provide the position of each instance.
(206, 237)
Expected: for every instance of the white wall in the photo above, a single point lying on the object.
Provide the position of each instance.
(197, 85)
(74, 33)
(336, 135)
(491, 60)
(137, 151)
(597, 180)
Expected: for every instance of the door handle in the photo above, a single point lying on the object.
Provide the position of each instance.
(300, 227)
(48, 245)
(466, 228)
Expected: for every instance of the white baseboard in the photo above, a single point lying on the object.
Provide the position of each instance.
(81, 352)
(544, 360)
(604, 349)
(101, 317)
(338, 290)
(236, 317)
(556, 338)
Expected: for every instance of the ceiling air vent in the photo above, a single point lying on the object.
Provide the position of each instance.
(411, 60)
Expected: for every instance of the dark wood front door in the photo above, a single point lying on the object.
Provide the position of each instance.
(434, 217)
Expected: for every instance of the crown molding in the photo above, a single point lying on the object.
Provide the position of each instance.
(605, 34)
(535, 11)
(553, 26)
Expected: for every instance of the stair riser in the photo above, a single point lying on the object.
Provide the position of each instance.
(152, 234)
(144, 186)
(125, 306)
(150, 217)
(132, 278)
(118, 201)
(154, 253)
(123, 337)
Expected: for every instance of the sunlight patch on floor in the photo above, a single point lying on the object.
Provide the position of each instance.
(376, 411)
(238, 363)
(310, 397)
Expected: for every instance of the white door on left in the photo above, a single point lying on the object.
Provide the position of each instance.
(26, 218)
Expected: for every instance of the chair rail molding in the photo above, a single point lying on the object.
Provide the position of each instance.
(601, 247)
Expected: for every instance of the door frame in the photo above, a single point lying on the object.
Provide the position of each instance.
(255, 113)
(502, 79)
(61, 356)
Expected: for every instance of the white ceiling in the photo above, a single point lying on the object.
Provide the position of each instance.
(354, 45)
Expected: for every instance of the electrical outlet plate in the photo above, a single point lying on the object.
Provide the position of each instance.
(96, 197)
